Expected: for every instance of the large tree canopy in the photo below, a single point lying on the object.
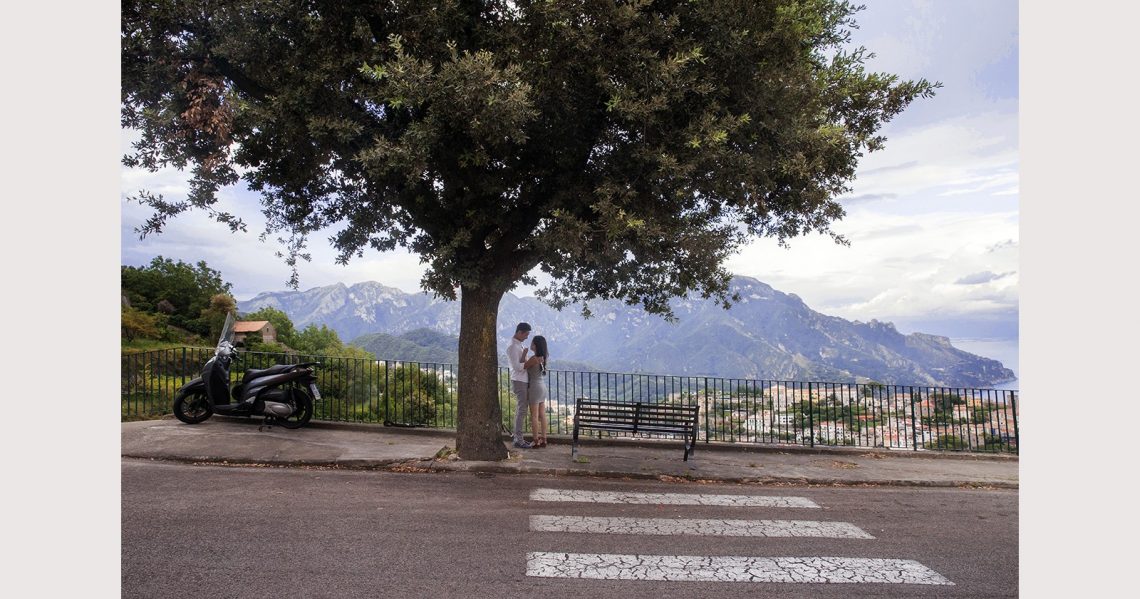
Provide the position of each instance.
(626, 149)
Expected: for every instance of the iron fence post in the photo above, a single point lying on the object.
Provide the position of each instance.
(130, 382)
(1016, 431)
(707, 430)
(387, 392)
(913, 424)
(811, 417)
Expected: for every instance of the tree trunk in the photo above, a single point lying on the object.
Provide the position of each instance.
(479, 415)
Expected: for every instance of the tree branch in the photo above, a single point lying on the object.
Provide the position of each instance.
(243, 82)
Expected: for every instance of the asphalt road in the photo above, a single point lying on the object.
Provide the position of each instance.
(214, 531)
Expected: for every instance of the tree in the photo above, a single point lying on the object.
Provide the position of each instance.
(869, 389)
(213, 317)
(625, 149)
(135, 323)
(316, 340)
(178, 289)
(415, 396)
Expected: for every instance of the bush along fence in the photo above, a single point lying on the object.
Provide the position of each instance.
(743, 411)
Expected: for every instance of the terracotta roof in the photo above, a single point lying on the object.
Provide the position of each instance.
(249, 326)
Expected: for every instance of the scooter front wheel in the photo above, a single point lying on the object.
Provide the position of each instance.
(193, 407)
(302, 404)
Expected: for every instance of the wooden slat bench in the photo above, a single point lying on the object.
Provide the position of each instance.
(636, 418)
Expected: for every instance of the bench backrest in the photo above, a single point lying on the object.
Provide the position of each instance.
(635, 417)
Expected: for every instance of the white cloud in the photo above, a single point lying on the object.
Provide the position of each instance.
(981, 277)
(1005, 179)
(897, 267)
(955, 155)
(250, 264)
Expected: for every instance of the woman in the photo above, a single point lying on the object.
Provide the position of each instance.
(536, 390)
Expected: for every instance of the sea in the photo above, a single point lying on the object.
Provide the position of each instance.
(1002, 350)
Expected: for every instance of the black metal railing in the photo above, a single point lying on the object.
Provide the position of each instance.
(746, 411)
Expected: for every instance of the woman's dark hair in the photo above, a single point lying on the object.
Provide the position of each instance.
(540, 347)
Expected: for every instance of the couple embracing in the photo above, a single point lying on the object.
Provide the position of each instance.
(528, 382)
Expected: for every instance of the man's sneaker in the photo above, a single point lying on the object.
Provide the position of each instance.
(523, 444)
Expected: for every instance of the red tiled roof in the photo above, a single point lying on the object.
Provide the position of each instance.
(249, 326)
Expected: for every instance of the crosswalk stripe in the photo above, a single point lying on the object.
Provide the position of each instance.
(671, 526)
(571, 495)
(730, 569)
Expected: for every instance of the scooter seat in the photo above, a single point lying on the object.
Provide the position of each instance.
(254, 373)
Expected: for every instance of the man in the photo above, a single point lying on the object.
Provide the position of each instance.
(517, 360)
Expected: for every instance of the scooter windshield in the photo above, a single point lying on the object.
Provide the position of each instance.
(227, 329)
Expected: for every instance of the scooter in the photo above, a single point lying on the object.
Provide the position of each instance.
(282, 393)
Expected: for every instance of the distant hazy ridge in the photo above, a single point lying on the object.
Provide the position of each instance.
(767, 335)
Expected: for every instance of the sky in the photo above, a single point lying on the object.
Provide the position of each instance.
(933, 219)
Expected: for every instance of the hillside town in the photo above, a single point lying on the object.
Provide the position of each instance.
(862, 415)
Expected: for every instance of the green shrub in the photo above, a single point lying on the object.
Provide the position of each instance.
(993, 443)
(952, 442)
(136, 324)
(145, 406)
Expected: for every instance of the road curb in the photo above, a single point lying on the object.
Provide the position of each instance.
(402, 465)
(714, 446)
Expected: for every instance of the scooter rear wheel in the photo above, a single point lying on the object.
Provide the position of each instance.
(193, 407)
(302, 409)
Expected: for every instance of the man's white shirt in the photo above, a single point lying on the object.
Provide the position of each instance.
(514, 358)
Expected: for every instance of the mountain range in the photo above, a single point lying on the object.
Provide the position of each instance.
(767, 335)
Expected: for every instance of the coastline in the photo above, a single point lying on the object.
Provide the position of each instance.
(1002, 350)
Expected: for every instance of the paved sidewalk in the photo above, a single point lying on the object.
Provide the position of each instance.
(328, 444)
